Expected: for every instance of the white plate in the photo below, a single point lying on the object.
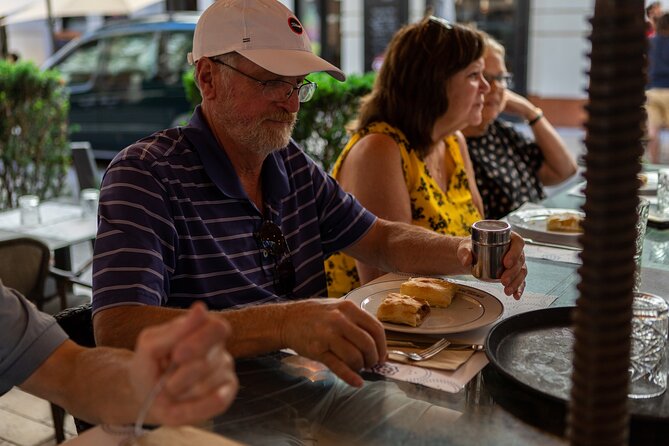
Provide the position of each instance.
(532, 223)
(650, 188)
(471, 308)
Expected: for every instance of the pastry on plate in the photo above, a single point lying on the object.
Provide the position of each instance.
(400, 309)
(565, 222)
(436, 292)
(643, 179)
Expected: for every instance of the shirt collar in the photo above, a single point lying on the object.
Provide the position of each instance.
(219, 168)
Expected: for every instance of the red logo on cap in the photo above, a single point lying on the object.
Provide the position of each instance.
(295, 25)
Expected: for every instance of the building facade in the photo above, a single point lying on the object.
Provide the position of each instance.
(546, 40)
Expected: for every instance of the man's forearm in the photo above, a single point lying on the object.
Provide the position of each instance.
(120, 326)
(255, 329)
(392, 246)
(101, 378)
(91, 384)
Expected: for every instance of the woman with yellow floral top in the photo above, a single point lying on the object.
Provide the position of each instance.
(407, 160)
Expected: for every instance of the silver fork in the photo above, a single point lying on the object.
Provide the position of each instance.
(424, 354)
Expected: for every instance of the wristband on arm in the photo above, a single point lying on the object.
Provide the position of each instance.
(540, 114)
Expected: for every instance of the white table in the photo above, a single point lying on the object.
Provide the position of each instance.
(62, 225)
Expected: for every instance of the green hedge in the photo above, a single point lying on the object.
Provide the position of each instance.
(34, 149)
(321, 124)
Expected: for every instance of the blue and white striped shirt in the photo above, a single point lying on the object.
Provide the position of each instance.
(175, 224)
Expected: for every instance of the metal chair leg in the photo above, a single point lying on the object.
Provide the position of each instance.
(58, 415)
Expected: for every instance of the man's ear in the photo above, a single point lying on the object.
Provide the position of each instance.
(205, 78)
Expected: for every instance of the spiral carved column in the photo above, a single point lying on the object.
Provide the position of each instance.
(598, 411)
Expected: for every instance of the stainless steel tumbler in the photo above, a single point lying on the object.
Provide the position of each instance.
(490, 242)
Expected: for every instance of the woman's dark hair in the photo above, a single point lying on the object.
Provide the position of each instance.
(410, 90)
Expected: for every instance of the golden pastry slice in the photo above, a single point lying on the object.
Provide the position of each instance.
(401, 309)
(643, 179)
(564, 223)
(436, 292)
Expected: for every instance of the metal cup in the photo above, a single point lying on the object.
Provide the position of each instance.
(490, 242)
(648, 360)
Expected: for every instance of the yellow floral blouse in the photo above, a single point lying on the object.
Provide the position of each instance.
(452, 212)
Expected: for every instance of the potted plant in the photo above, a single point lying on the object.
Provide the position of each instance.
(34, 151)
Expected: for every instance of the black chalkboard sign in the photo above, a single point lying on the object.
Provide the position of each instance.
(382, 19)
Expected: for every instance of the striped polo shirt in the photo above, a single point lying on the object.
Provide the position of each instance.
(175, 224)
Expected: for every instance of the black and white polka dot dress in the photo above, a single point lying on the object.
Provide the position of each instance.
(506, 166)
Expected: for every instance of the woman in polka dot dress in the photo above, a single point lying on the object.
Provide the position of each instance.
(509, 168)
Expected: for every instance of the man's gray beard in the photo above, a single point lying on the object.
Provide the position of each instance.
(253, 137)
(267, 142)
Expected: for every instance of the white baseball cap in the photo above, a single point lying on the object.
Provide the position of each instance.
(264, 31)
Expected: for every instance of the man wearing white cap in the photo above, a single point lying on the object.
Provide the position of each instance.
(230, 211)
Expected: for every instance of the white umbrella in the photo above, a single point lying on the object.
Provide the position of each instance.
(73, 8)
(11, 7)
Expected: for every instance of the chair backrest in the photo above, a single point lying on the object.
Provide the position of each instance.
(77, 322)
(84, 165)
(24, 265)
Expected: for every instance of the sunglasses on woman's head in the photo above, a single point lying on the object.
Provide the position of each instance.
(441, 21)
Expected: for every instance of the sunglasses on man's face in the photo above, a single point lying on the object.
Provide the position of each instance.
(271, 241)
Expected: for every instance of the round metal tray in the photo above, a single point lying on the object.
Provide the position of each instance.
(530, 375)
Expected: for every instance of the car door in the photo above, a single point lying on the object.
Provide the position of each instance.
(174, 45)
(127, 87)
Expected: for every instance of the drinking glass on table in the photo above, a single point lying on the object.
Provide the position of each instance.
(642, 213)
(88, 199)
(663, 192)
(648, 361)
(29, 208)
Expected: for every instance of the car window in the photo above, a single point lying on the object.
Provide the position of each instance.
(133, 56)
(130, 64)
(79, 66)
(131, 61)
(173, 57)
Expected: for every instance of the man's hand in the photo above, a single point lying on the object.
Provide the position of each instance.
(200, 381)
(337, 333)
(515, 270)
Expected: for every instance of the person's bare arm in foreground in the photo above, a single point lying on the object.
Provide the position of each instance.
(109, 385)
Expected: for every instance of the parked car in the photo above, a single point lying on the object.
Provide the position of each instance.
(125, 80)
